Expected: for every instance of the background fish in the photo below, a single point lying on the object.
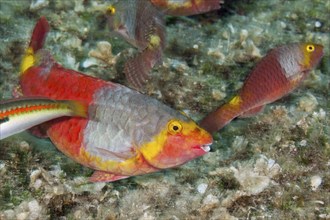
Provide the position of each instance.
(17, 115)
(126, 133)
(276, 75)
(142, 25)
(186, 7)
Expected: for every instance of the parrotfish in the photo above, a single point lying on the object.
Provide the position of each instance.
(142, 25)
(186, 7)
(276, 75)
(125, 133)
(17, 115)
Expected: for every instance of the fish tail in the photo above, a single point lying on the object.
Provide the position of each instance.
(137, 69)
(36, 43)
(222, 116)
(78, 108)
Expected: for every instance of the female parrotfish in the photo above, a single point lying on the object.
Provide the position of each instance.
(141, 23)
(276, 75)
(126, 133)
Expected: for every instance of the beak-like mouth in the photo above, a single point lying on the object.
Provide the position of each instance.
(206, 147)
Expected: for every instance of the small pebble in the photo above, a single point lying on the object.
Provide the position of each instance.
(38, 4)
(24, 146)
(317, 24)
(35, 210)
(37, 184)
(2, 169)
(283, 24)
(89, 62)
(58, 190)
(316, 182)
(303, 143)
(243, 35)
(217, 94)
(308, 103)
(210, 200)
(34, 176)
(201, 188)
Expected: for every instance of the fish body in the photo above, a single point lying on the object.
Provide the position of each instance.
(138, 22)
(142, 25)
(126, 133)
(17, 115)
(186, 7)
(276, 75)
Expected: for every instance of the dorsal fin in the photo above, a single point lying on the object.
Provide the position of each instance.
(36, 43)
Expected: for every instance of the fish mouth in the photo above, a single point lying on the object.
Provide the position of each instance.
(205, 147)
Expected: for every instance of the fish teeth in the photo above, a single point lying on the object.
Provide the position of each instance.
(206, 148)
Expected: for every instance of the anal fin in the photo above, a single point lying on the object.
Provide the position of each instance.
(101, 176)
(252, 112)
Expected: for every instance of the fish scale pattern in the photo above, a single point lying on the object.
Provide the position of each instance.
(133, 120)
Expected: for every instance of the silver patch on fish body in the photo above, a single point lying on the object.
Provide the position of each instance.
(121, 120)
(290, 57)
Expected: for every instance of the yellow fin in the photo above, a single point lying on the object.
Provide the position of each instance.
(28, 60)
(236, 101)
(154, 41)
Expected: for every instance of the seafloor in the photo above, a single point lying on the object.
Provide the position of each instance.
(271, 166)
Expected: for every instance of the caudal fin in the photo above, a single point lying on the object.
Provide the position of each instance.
(78, 108)
(222, 116)
(36, 43)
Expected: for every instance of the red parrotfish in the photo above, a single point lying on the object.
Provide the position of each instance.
(186, 7)
(142, 25)
(125, 133)
(17, 115)
(276, 75)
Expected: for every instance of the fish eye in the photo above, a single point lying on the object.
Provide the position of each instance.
(310, 48)
(174, 127)
(111, 10)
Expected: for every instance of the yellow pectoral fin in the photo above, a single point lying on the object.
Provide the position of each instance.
(234, 106)
(28, 60)
(236, 101)
(154, 41)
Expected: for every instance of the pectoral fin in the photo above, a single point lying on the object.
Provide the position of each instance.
(137, 69)
(101, 176)
(252, 112)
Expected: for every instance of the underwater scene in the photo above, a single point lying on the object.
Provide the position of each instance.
(164, 109)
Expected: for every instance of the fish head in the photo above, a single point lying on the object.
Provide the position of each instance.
(120, 21)
(312, 54)
(178, 142)
(116, 19)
